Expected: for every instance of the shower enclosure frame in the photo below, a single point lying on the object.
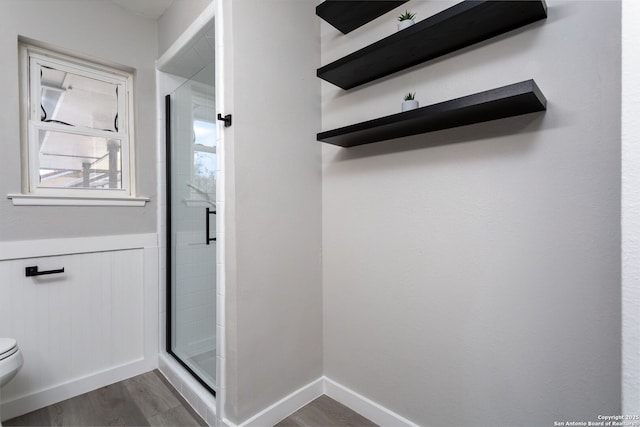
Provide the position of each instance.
(169, 66)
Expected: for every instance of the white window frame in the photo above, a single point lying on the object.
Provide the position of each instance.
(31, 58)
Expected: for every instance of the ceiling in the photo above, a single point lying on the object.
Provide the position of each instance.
(150, 9)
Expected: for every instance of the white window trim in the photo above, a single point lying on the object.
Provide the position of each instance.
(41, 196)
(39, 200)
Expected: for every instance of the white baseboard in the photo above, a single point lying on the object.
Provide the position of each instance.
(39, 399)
(364, 406)
(268, 416)
(284, 407)
(323, 385)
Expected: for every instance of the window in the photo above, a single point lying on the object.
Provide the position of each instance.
(77, 129)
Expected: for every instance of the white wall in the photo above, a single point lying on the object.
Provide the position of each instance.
(176, 19)
(472, 276)
(273, 209)
(86, 28)
(630, 208)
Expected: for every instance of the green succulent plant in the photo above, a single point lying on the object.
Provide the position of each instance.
(406, 16)
(410, 96)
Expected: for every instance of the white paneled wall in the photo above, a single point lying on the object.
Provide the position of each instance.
(89, 326)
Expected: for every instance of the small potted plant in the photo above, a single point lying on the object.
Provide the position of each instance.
(410, 102)
(406, 20)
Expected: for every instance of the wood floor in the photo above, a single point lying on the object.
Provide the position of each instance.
(144, 400)
(149, 400)
(325, 412)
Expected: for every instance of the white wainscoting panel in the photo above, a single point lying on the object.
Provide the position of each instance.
(81, 329)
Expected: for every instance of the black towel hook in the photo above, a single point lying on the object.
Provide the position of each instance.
(226, 119)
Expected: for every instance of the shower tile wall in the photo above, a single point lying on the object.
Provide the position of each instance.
(195, 297)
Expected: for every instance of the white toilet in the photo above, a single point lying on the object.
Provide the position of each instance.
(10, 360)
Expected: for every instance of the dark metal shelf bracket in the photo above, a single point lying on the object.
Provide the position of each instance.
(226, 119)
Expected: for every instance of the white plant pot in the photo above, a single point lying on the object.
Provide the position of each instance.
(405, 24)
(409, 105)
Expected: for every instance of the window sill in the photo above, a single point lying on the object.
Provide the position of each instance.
(39, 200)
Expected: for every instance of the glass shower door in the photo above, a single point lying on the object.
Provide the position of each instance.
(191, 223)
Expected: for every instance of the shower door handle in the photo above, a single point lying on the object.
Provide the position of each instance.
(209, 239)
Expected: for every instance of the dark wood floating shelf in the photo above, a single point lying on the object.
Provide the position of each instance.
(507, 101)
(347, 15)
(459, 26)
